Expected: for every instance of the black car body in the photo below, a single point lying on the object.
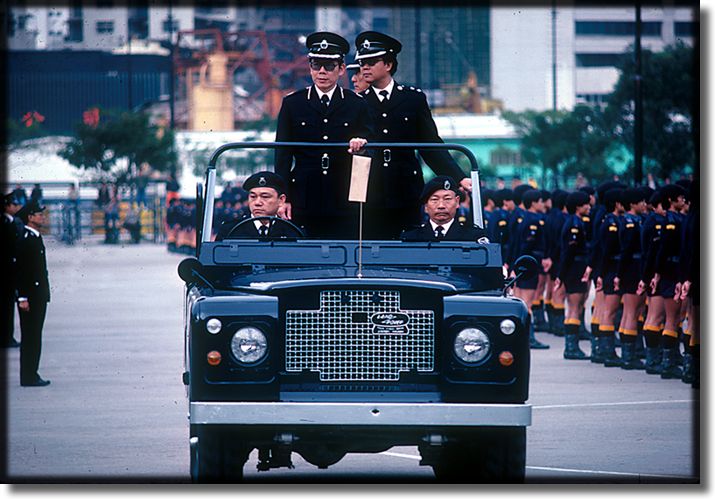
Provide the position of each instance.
(326, 347)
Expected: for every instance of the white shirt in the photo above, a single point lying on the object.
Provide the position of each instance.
(329, 93)
(259, 224)
(446, 226)
(390, 86)
(34, 231)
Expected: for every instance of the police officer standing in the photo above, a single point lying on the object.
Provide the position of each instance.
(11, 229)
(319, 181)
(33, 291)
(400, 114)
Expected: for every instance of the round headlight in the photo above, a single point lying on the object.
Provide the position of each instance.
(249, 345)
(213, 326)
(507, 326)
(471, 345)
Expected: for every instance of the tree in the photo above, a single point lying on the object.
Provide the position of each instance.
(564, 143)
(116, 143)
(669, 100)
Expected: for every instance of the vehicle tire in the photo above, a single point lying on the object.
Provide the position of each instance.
(491, 455)
(218, 456)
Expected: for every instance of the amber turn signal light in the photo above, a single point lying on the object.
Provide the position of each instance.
(506, 358)
(213, 358)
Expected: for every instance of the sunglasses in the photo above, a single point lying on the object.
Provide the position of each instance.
(369, 62)
(328, 65)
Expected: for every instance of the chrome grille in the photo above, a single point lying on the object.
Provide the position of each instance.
(342, 342)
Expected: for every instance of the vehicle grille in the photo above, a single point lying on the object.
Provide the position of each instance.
(342, 341)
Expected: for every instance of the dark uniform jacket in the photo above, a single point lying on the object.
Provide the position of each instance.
(516, 217)
(650, 242)
(531, 237)
(555, 220)
(31, 278)
(396, 175)
(458, 231)
(10, 233)
(606, 246)
(630, 244)
(574, 250)
(667, 260)
(319, 187)
(497, 230)
(276, 230)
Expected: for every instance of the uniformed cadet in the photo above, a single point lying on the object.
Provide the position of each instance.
(665, 277)
(33, 292)
(11, 229)
(498, 220)
(605, 268)
(516, 217)
(537, 307)
(266, 196)
(572, 271)
(359, 83)
(400, 114)
(628, 275)
(690, 286)
(595, 210)
(319, 181)
(555, 298)
(530, 239)
(440, 198)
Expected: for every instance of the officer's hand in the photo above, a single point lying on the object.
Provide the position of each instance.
(285, 211)
(641, 288)
(557, 283)
(678, 290)
(685, 290)
(587, 274)
(616, 283)
(654, 283)
(599, 283)
(466, 184)
(356, 145)
(546, 263)
(24, 306)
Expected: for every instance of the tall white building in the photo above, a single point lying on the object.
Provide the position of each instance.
(589, 43)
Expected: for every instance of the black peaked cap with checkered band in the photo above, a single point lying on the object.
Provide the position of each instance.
(375, 44)
(327, 45)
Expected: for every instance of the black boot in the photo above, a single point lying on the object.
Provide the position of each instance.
(640, 349)
(583, 333)
(539, 323)
(557, 325)
(534, 343)
(608, 350)
(572, 351)
(596, 353)
(696, 367)
(629, 359)
(688, 371)
(652, 360)
(550, 318)
(669, 367)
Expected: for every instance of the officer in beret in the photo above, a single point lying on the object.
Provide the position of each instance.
(400, 114)
(440, 198)
(319, 181)
(33, 292)
(266, 196)
(11, 229)
(359, 83)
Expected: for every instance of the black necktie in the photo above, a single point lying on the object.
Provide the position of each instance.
(384, 94)
(263, 230)
(439, 232)
(325, 101)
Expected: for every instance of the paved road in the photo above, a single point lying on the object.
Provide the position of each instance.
(116, 409)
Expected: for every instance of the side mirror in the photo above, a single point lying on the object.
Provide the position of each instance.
(525, 267)
(190, 270)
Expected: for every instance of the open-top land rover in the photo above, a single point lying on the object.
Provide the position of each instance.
(326, 347)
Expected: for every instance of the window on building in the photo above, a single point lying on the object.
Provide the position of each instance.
(105, 27)
(617, 28)
(503, 156)
(174, 26)
(74, 30)
(593, 100)
(688, 28)
(598, 60)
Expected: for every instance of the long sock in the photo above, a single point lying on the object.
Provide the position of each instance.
(652, 336)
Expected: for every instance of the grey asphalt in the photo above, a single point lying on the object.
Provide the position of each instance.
(116, 409)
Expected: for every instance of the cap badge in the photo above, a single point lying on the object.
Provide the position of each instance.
(262, 181)
(324, 44)
(366, 44)
(447, 185)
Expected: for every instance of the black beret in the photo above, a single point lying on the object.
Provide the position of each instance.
(647, 191)
(519, 191)
(633, 195)
(588, 190)
(438, 183)
(559, 196)
(531, 196)
(671, 192)
(611, 197)
(576, 199)
(375, 44)
(265, 179)
(545, 195)
(486, 195)
(327, 45)
(506, 195)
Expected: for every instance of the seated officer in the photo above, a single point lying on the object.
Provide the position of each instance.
(440, 198)
(266, 195)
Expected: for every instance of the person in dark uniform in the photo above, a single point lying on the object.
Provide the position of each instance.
(516, 217)
(605, 269)
(11, 229)
(319, 181)
(33, 292)
(498, 220)
(666, 276)
(628, 275)
(555, 299)
(400, 114)
(266, 196)
(531, 240)
(440, 198)
(690, 285)
(359, 83)
(572, 271)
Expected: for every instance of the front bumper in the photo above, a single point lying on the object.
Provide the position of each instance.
(359, 414)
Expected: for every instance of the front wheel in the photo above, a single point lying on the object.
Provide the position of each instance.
(217, 456)
(485, 455)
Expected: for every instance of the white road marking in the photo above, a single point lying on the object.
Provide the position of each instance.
(564, 470)
(606, 404)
